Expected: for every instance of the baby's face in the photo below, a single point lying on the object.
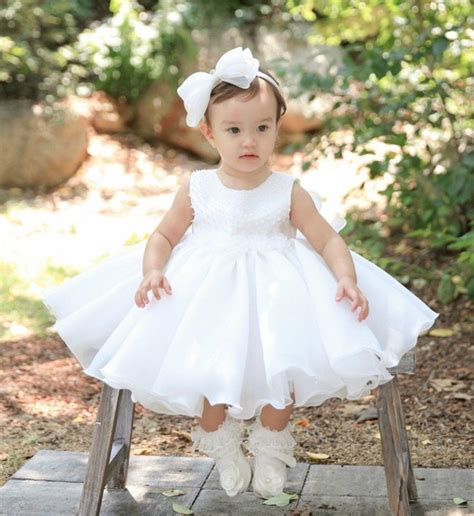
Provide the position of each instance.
(241, 127)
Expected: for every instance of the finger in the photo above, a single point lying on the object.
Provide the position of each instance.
(355, 303)
(340, 293)
(137, 299)
(167, 286)
(365, 309)
(156, 291)
(144, 295)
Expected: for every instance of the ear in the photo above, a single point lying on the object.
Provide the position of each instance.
(206, 130)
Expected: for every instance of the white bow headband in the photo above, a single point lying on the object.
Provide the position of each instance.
(236, 66)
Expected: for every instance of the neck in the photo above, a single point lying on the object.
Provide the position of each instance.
(243, 178)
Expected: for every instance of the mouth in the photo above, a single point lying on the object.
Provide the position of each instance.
(249, 156)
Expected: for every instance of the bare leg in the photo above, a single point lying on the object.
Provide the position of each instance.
(276, 419)
(212, 416)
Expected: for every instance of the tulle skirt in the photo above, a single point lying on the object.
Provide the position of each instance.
(245, 329)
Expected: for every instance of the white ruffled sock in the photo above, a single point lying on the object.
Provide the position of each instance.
(224, 445)
(273, 450)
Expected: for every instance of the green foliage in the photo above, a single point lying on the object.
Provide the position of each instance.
(240, 13)
(369, 242)
(127, 51)
(30, 35)
(50, 50)
(455, 280)
(406, 81)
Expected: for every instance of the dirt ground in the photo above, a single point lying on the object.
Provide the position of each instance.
(46, 401)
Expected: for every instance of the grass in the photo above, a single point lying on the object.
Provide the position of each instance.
(21, 310)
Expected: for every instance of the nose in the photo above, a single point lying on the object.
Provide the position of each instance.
(249, 141)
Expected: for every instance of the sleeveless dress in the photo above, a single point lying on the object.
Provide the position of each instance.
(252, 317)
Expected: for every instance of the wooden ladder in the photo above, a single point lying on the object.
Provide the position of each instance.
(109, 453)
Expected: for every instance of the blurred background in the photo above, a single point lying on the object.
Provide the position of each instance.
(94, 145)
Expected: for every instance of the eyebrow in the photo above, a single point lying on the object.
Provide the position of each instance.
(234, 122)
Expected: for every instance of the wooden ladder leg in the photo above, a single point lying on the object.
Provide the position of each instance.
(99, 453)
(399, 475)
(122, 441)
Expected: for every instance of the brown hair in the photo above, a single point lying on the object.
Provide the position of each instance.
(225, 90)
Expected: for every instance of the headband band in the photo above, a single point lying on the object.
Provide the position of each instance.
(237, 67)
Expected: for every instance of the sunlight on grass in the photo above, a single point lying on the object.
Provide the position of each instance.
(22, 312)
(45, 244)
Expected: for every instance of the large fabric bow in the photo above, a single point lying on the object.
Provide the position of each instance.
(236, 66)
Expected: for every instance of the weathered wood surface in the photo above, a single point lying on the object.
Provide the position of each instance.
(401, 486)
(50, 484)
(110, 448)
(406, 365)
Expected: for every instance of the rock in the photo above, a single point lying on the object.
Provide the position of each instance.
(160, 115)
(110, 115)
(38, 151)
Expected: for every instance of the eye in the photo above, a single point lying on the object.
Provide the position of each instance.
(263, 128)
(231, 129)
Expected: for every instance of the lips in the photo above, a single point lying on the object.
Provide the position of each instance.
(249, 156)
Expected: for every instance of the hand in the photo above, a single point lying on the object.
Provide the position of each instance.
(153, 280)
(348, 287)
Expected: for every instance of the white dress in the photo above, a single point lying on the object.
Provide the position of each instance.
(252, 316)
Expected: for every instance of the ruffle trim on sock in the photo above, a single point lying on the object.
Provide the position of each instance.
(275, 443)
(220, 442)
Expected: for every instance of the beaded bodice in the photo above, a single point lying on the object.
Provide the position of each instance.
(229, 219)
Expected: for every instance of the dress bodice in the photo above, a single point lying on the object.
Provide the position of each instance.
(256, 218)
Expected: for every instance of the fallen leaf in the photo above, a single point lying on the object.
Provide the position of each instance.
(181, 509)
(447, 384)
(463, 396)
(317, 456)
(370, 413)
(303, 422)
(351, 409)
(172, 492)
(426, 441)
(459, 501)
(143, 451)
(281, 500)
(441, 332)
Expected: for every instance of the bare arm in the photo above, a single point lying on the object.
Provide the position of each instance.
(329, 244)
(320, 234)
(160, 244)
(169, 231)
